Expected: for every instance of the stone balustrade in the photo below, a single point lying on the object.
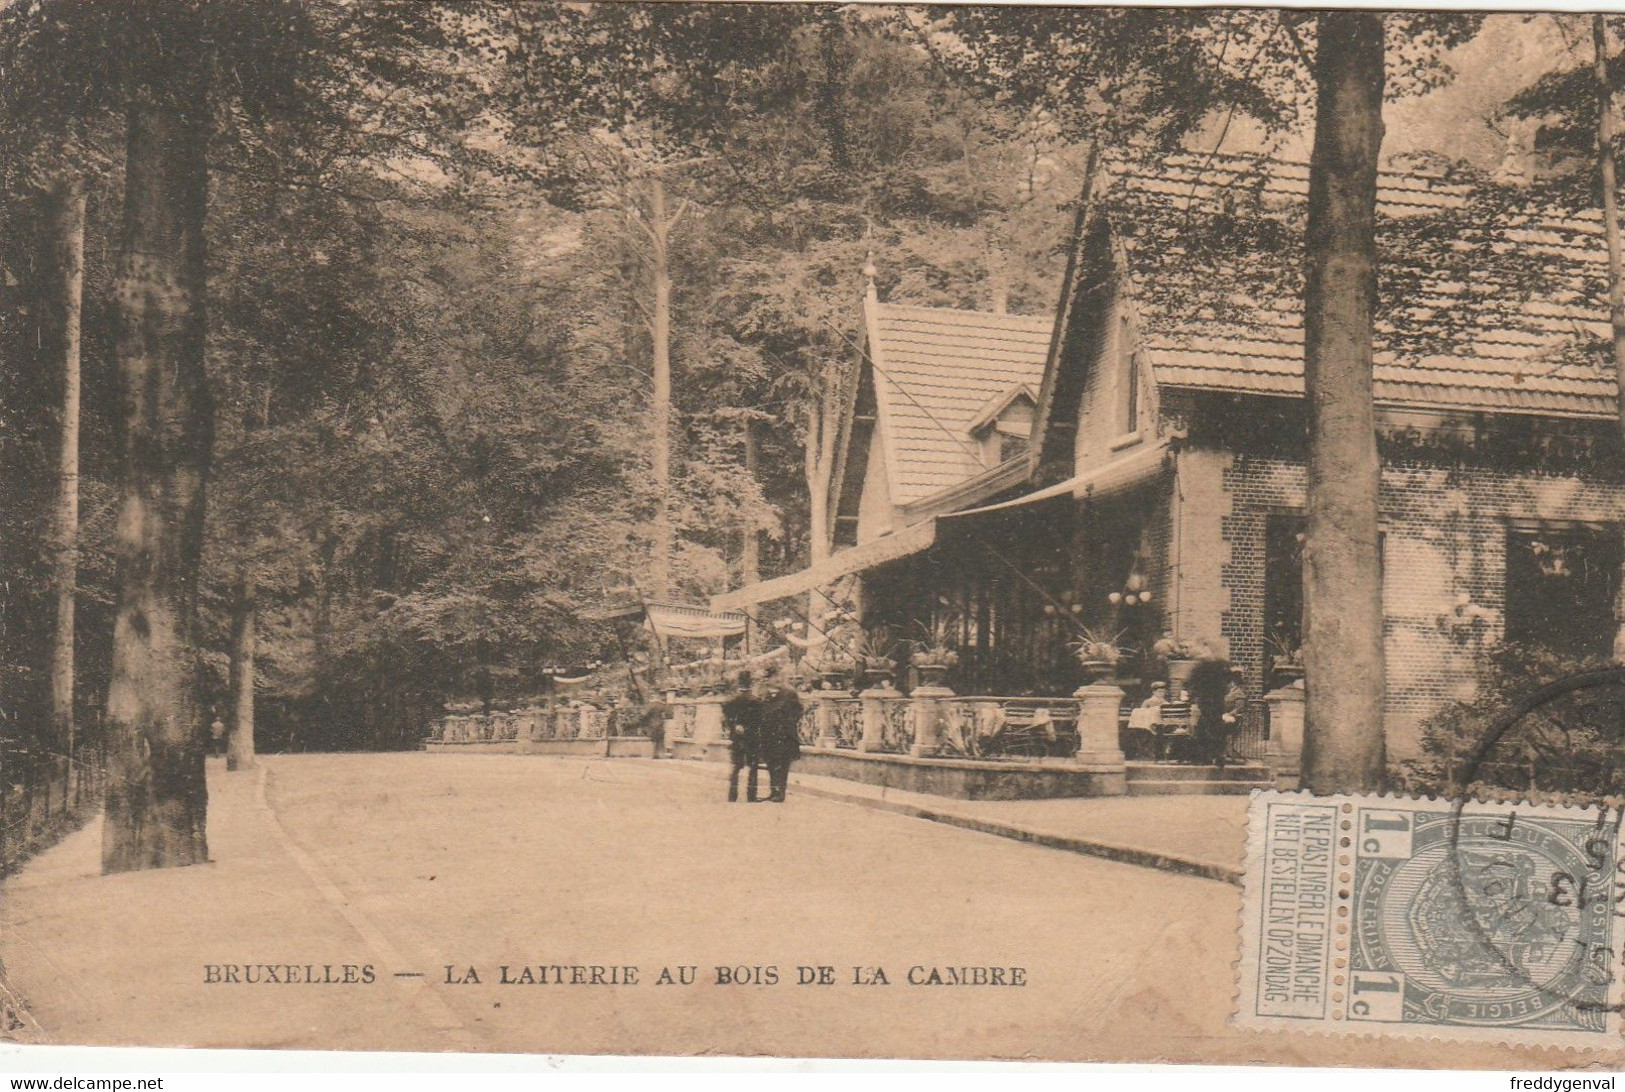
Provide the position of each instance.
(695, 727)
(933, 722)
(930, 723)
(567, 720)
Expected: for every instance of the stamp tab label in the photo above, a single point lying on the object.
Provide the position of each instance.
(1294, 929)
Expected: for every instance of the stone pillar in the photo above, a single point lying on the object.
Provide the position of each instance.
(824, 716)
(1098, 750)
(1285, 751)
(708, 727)
(929, 703)
(873, 704)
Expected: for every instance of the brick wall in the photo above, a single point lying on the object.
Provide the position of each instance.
(1444, 534)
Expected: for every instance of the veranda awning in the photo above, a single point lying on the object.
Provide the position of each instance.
(1114, 475)
(910, 540)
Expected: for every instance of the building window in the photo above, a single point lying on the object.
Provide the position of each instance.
(1283, 588)
(1131, 396)
(1128, 376)
(1284, 536)
(1562, 584)
(1011, 446)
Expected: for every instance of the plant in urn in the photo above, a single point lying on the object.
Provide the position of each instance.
(1097, 653)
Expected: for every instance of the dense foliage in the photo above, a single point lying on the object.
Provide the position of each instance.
(431, 278)
(427, 322)
(1499, 744)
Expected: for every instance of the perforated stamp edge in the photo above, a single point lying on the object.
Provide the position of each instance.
(1245, 1013)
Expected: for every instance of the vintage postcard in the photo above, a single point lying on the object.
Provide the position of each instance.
(813, 530)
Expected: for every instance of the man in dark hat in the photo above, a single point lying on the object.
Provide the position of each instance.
(781, 740)
(742, 713)
(1209, 685)
(1235, 712)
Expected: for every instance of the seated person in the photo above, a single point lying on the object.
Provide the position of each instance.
(1148, 714)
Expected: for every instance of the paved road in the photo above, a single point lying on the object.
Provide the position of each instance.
(419, 862)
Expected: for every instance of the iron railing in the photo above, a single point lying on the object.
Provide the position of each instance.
(44, 796)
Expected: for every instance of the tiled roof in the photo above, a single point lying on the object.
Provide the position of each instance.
(935, 370)
(1482, 306)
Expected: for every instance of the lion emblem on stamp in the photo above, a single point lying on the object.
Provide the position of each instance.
(1524, 935)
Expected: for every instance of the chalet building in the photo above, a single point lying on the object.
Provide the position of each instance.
(1135, 466)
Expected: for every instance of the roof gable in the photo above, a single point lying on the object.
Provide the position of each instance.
(1490, 298)
(1000, 404)
(936, 371)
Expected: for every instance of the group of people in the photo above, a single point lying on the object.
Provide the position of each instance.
(763, 719)
(1217, 695)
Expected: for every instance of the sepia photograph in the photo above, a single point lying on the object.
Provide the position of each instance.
(813, 530)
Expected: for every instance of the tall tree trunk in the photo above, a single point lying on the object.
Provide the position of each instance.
(813, 472)
(240, 741)
(660, 403)
(823, 421)
(1610, 201)
(817, 509)
(63, 207)
(1343, 655)
(998, 274)
(750, 546)
(750, 550)
(326, 542)
(157, 800)
(818, 460)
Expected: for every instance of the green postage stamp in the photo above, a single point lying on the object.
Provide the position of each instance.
(1395, 916)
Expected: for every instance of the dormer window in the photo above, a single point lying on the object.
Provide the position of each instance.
(1005, 426)
(1011, 446)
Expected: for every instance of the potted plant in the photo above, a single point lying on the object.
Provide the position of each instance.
(1181, 657)
(934, 655)
(1097, 653)
(835, 671)
(933, 662)
(873, 654)
(1286, 659)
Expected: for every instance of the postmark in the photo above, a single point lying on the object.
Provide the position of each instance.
(1427, 918)
(1555, 743)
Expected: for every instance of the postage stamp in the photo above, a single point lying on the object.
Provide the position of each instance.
(1426, 918)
